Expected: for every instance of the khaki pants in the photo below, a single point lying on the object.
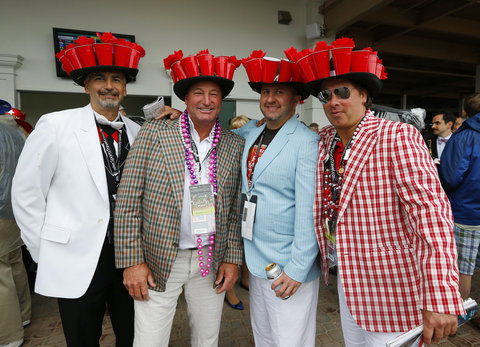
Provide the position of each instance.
(15, 303)
(154, 318)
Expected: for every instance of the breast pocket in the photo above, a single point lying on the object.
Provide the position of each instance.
(55, 233)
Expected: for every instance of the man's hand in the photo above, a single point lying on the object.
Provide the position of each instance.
(437, 326)
(169, 112)
(226, 277)
(135, 279)
(288, 286)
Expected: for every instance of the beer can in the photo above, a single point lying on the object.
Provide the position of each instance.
(274, 271)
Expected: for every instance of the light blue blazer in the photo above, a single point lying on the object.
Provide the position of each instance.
(284, 182)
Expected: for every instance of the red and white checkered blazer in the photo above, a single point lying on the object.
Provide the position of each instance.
(395, 246)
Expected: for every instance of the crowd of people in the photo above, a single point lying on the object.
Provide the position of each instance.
(127, 218)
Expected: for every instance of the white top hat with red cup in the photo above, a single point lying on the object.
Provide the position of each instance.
(191, 69)
(86, 55)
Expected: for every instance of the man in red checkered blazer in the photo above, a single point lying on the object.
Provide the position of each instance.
(383, 219)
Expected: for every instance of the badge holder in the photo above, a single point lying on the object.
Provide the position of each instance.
(248, 206)
(330, 230)
(203, 209)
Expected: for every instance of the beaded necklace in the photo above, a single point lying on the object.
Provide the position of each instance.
(192, 161)
(333, 177)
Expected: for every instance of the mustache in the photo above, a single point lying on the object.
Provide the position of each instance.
(111, 92)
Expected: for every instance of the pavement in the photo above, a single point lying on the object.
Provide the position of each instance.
(46, 327)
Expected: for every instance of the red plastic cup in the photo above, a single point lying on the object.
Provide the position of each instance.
(230, 70)
(177, 69)
(220, 66)
(104, 53)
(86, 55)
(321, 63)
(174, 77)
(67, 68)
(287, 69)
(206, 64)
(190, 66)
(306, 67)
(66, 65)
(297, 74)
(71, 54)
(269, 69)
(254, 69)
(122, 55)
(360, 61)
(372, 62)
(342, 59)
(378, 71)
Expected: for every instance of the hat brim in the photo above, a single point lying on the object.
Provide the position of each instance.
(365, 79)
(182, 87)
(79, 75)
(298, 86)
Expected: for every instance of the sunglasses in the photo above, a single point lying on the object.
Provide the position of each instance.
(326, 95)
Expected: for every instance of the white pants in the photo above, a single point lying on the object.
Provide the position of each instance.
(353, 334)
(154, 318)
(277, 322)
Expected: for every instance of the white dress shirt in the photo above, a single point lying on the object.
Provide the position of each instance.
(187, 239)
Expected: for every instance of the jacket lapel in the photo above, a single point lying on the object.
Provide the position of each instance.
(174, 154)
(275, 147)
(87, 137)
(361, 151)
(224, 159)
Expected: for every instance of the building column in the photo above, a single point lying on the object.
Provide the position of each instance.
(9, 63)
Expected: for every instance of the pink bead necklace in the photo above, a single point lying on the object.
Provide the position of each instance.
(192, 161)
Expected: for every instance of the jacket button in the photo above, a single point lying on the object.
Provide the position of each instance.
(100, 221)
(175, 244)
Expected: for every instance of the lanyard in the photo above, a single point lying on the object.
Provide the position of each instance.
(112, 159)
(196, 157)
(250, 185)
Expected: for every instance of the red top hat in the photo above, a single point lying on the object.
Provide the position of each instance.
(186, 71)
(266, 70)
(85, 56)
(361, 66)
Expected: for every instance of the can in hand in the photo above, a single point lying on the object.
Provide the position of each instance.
(274, 271)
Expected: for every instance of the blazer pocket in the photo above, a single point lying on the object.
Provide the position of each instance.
(55, 234)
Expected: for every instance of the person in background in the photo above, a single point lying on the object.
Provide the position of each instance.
(63, 198)
(458, 121)
(15, 302)
(231, 297)
(442, 125)
(460, 177)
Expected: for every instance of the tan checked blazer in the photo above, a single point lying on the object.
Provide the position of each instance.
(150, 197)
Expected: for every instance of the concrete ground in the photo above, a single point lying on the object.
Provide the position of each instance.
(46, 327)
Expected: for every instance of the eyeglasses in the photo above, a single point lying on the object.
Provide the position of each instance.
(326, 95)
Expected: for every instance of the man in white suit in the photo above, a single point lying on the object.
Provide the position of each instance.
(278, 177)
(63, 198)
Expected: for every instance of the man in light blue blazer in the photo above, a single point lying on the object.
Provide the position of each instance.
(278, 182)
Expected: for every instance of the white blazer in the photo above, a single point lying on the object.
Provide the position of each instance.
(60, 200)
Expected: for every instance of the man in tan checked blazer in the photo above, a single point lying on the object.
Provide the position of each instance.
(156, 239)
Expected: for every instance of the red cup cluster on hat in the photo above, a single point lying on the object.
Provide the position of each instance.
(314, 64)
(269, 70)
(202, 64)
(109, 51)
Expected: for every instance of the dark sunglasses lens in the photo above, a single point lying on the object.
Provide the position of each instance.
(342, 92)
(324, 96)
